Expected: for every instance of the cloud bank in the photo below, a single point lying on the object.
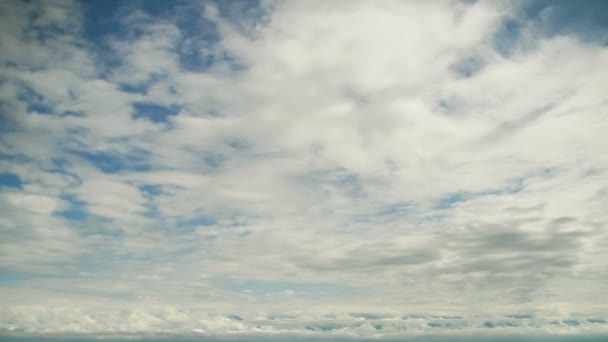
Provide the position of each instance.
(342, 168)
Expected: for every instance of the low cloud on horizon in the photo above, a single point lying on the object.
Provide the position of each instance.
(315, 168)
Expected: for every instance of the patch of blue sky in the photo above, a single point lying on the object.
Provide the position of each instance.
(151, 189)
(348, 181)
(7, 124)
(104, 22)
(388, 211)
(39, 107)
(14, 158)
(241, 13)
(198, 50)
(135, 88)
(77, 135)
(194, 60)
(201, 220)
(214, 160)
(276, 287)
(10, 277)
(467, 67)
(571, 322)
(507, 37)
(34, 101)
(72, 113)
(76, 210)
(113, 162)
(142, 87)
(597, 321)
(586, 20)
(498, 324)
(395, 209)
(154, 112)
(180, 226)
(446, 324)
(61, 166)
(152, 211)
(451, 199)
(42, 32)
(58, 165)
(10, 180)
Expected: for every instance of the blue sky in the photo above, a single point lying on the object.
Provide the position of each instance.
(369, 169)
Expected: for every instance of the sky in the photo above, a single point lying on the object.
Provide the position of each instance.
(371, 169)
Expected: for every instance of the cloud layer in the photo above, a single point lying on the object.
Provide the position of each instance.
(279, 167)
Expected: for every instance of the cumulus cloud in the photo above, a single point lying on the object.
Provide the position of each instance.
(342, 168)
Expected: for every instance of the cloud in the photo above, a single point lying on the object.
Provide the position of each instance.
(315, 168)
(171, 320)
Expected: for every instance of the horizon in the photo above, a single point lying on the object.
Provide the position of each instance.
(429, 338)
